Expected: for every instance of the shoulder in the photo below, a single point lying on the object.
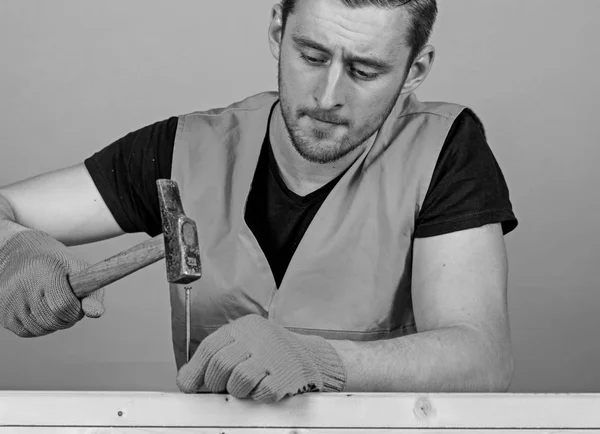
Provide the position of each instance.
(215, 124)
(410, 107)
(420, 127)
(252, 103)
(467, 187)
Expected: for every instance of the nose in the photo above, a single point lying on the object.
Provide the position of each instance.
(329, 93)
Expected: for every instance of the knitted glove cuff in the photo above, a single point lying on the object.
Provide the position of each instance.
(28, 239)
(328, 361)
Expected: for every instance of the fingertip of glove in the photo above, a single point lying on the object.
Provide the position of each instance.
(184, 385)
(92, 308)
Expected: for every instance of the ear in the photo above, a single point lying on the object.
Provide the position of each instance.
(419, 69)
(276, 31)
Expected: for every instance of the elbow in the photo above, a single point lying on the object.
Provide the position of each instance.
(506, 377)
(496, 363)
(500, 374)
(500, 379)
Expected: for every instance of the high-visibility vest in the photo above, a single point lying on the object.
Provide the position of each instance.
(350, 276)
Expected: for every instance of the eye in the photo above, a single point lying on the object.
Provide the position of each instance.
(311, 60)
(362, 75)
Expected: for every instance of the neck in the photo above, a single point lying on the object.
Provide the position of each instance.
(300, 175)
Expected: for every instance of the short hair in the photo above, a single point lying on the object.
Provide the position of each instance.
(422, 17)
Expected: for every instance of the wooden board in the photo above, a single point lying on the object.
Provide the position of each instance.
(135, 412)
(117, 430)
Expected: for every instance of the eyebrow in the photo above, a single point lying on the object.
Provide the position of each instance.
(302, 41)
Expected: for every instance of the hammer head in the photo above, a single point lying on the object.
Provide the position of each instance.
(182, 252)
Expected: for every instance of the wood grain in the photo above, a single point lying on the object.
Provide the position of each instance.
(129, 412)
(162, 430)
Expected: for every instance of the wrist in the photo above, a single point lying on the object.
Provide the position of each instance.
(6, 210)
(8, 226)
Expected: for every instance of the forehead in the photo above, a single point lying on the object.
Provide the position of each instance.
(360, 30)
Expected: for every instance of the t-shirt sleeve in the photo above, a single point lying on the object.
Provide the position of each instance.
(467, 188)
(125, 173)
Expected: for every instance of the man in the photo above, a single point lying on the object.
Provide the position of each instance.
(351, 236)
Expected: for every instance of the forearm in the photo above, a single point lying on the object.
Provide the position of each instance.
(456, 359)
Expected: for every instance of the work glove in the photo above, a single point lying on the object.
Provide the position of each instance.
(253, 357)
(35, 296)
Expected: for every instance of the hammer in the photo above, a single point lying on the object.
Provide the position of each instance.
(178, 244)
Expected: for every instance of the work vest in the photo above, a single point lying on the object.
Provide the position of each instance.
(350, 276)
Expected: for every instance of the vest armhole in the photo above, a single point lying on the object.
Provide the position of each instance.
(449, 116)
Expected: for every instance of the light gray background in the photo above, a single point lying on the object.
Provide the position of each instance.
(76, 75)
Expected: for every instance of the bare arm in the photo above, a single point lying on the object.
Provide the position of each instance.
(463, 339)
(64, 203)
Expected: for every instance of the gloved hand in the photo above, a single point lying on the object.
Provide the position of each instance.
(35, 296)
(253, 357)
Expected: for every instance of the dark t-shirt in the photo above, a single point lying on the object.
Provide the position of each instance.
(467, 189)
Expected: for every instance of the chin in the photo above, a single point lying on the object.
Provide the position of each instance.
(321, 151)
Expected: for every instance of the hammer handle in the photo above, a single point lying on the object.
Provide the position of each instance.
(117, 266)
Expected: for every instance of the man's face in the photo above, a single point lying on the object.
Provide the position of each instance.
(341, 71)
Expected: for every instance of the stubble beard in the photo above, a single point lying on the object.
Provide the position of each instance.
(319, 148)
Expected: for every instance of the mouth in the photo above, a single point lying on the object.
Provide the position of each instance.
(323, 122)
